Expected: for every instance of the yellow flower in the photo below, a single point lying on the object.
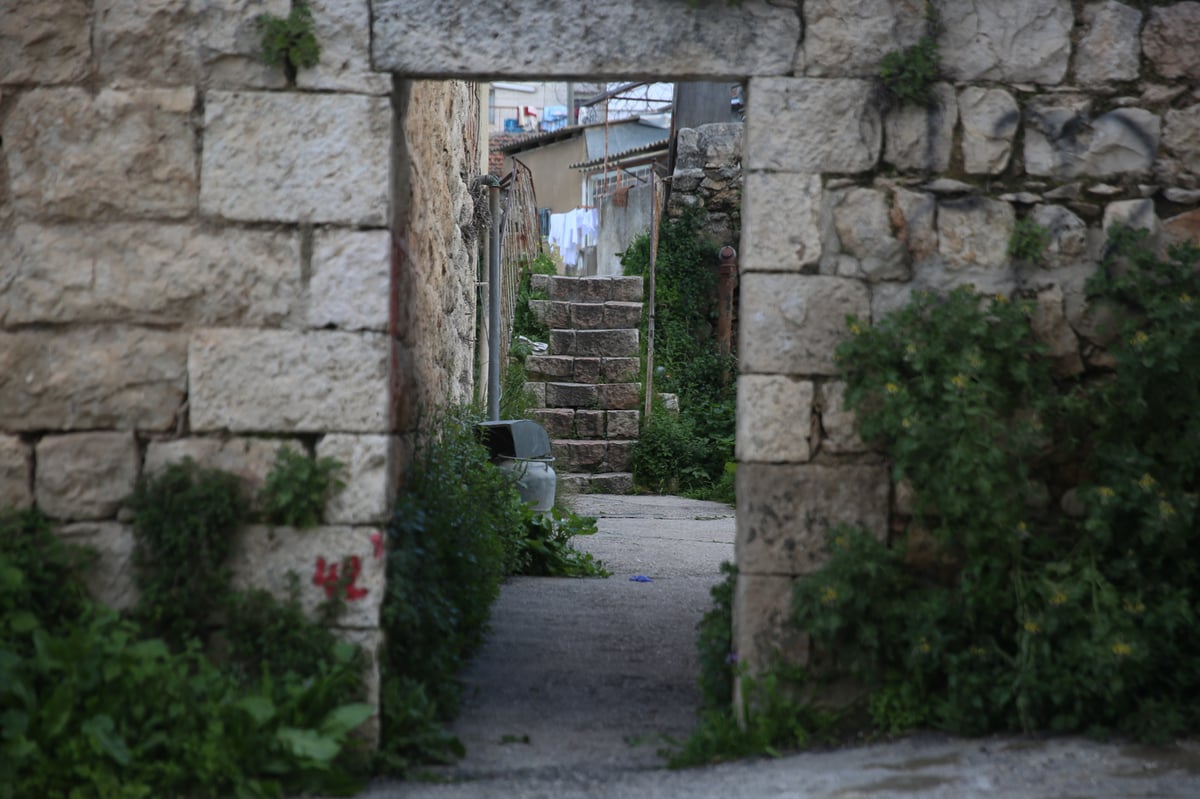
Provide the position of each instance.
(1134, 606)
(1023, 530)
(840, 543)
(1166, 509)
(959, 381)
(856, 328)
(891, 388)
(1032, 627)
(911, 348)
(1000, 298)
(977, 651)
(829, 596)
(1105, 493)
(1147, 482)
(906, 423)
(1186, 299)
(1139, 338)
(1121, 649)
(1059, 598)
(924, 647)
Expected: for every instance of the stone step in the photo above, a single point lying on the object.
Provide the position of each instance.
(575, 456)
(607, 483)
(595, 343)
(593, 396)
(588, 289)
(581, 370)
(585, 424)
(587, 315)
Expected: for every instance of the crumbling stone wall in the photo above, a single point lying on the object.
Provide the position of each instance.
(708, 177)
(1076, 114)
(195, 261)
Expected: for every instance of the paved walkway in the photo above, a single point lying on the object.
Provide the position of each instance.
(579, 679)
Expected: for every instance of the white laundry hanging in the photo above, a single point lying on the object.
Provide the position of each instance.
(573, 230)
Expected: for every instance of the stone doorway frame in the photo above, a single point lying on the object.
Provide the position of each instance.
(791, 320)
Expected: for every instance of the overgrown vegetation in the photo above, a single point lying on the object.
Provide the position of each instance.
(100, 706)
(909, 75)
(1028, 241)
(296, 490)
(458, 529)
(290, 42)
(691, 453)
(1046, 580)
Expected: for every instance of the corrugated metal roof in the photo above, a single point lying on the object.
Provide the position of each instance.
(615, 158)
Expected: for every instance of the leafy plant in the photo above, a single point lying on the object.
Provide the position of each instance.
(295, 492)
(184, 521)
(546, 550)
(1028, 241)
(714, 641)
(290, 42)
(525, 321)
(669, 456)
(909, 75)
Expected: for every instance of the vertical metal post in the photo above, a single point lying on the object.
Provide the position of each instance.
(493, 392)
(654, 215)
(727, 275)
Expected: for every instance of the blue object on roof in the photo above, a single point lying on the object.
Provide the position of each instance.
(512, 126)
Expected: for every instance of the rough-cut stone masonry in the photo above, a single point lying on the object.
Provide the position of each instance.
(196, 261)
(163, 197)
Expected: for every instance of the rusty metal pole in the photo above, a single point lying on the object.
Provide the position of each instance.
(654, 225)
(727, 281)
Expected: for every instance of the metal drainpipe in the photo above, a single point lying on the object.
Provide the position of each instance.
(493, 393)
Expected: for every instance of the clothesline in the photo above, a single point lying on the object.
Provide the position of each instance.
(571, 231)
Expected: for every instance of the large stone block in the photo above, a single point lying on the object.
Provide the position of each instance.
(990, 118)
(1049, 324)
(343, 27)
(111, 577)
(781, 222)
(620, 370)
(658, 38)
(251, 459)
(370, 474)
(862, 220)
(324, 158)
(619, 396)
(287, 381)
(975, 232)
(149, 274)
(16, 473)
(74, 154)
(622, 424)
(587, 315)
(785, 510)
(922, 138)
(550, 366)
(619, 315)
(45, 42)
(1068, 235)
(595, 343)
(792, 324)
(1171, 40)
(914, 218)
(229, 43)
(762, 622)
(571, 395)
(559, 422)
(148, 41)
(351, 272)
(1109, 49)
(1062, 142)
(849, 38)
(1018, 40)
(839, 425)
(774, 416)
(1181, 136)
(89, 378)
(812, 125)
(588, 424)
(320, 557)
(85, 475)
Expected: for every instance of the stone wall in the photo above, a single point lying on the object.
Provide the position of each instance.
(708, 177)
(1073, 115)
(195, 260)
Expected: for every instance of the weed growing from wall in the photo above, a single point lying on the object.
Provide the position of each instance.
(908, 76)
(290, 42)
(297, 488)
(690, 454)
(1028, 241)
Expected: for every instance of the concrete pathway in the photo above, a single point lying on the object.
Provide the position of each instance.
(580, 679)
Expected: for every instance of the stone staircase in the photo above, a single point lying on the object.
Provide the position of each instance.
(587, 386)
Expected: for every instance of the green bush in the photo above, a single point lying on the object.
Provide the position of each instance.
(93, 708)
(184, 521)
(997, 610)
(689, 364)
(297, 488)
(546, 550)
(1028, 241)
(525, 322)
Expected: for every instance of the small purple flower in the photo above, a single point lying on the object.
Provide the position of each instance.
(731, 658)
